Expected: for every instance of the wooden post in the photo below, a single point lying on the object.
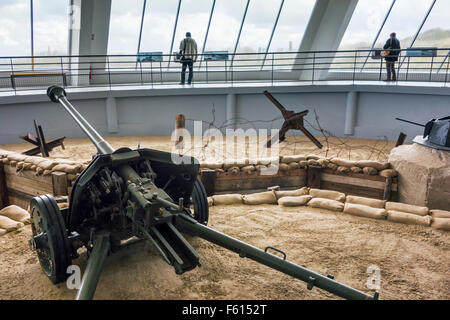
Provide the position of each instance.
(4, 200)
(208, 178)
(401, 139)
(313, 180)
(387, 189)
(59, 181)
(180, 123)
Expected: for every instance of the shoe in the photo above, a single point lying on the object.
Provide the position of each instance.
(387, 80)
(181, 83)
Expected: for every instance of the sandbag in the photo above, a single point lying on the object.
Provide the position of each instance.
(388, 173)
(4, 153)
(9, 224)
(343, 170)
(260, 167)
(313, 162)
(408, 218)
(224, 199)
(326, 204)
(291, 193)
(293, 165)
(62, 205)
(364, 211)
(67, 168)
(294, 201)
(373, 164)
(47, 164)
(356, 169)
(266, 161)
(39, 171)
(266, 197)
(435, 213)
(72, 176)
(248, 169)
(16, 213)
(2, 232)
(312, 156)
(441, 224)
(234, 170)
(210, 201)
(374, 203)
(283, 167)
(16, 157)
(332, 166)
(293, 158)
(35, 160)
(230, 163)
(409, 208)
(370, 171)
(303, 164)
(211, 165)
(327, 194)
(47, 172)
(343, 162)
(12, 163)
(323, 162)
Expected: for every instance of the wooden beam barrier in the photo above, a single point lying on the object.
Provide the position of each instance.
(4, 201)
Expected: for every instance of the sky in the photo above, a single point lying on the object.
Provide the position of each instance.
(51, 25)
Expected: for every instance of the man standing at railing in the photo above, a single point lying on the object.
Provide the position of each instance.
(392, 50)
(188, 51)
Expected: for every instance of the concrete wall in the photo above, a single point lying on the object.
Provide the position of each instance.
(145, 112)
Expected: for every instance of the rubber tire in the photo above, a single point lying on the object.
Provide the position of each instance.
(200, 202)
(57, 239)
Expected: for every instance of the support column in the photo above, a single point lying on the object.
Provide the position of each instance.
(231, 110)
(350, 113)
(111, 115)
(326, 27)
(89, 37)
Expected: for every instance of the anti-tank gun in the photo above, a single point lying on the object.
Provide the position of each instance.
(140, 194)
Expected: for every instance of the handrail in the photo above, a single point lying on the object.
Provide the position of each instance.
(306, 66)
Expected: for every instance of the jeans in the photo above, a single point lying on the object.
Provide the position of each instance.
(390, 67)
(187, 63)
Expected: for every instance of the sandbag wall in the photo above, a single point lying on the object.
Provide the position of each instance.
(339, 202)
(364, 178)
(23, 177)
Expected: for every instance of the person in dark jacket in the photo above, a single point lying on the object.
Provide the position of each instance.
(393, 45)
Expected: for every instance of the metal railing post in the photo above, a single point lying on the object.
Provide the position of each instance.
(446, 72)
(431, 69)
(407, 69)
(109, 72)
(272, 66)
(354, 67)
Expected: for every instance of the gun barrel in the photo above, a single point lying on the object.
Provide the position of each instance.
(58, 94)
(407, 121)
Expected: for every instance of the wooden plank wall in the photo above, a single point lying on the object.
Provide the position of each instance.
(22, 186)
(351, 183)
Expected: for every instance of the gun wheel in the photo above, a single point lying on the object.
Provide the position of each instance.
(200, 201)
(49, 237)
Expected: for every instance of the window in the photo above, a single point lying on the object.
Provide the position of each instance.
(364, 24)
(158, 26)
(50, 27)
(194, 16)
(405, 19)
(225, 24)
(436, 30)
(258, 26)
(15, 29)
(124, 26)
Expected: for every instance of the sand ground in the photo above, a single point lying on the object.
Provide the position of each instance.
(348, 148)
(414, 260)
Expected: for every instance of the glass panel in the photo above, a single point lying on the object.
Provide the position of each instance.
(435, 33)
(194, 16)
(15, 27)
(256, 32)
(225, 25)
(258, 26)
(405, 19)
(158, 26)
(124, 26)
(436, 30)
(361, 31)
(50, 27)
(289, 32)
